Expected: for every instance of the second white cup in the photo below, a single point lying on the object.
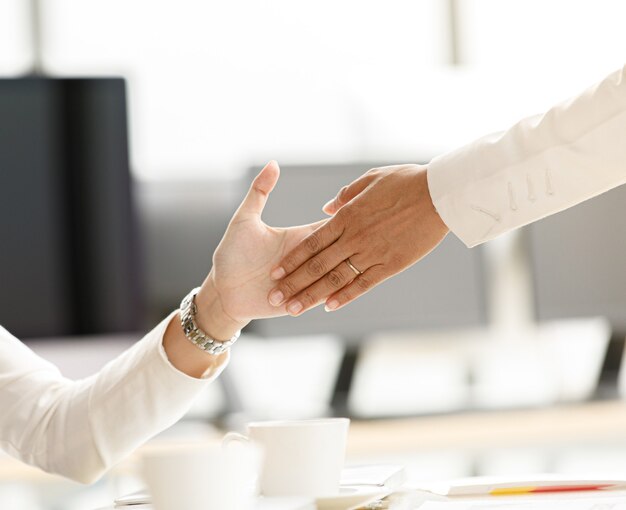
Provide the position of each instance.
(201, 477)
(301, 457)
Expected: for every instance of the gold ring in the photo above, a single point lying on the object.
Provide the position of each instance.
(351, 266)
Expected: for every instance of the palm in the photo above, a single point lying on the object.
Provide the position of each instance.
(243, 261)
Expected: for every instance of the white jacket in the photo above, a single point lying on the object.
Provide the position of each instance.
(540, 166)
(81, 428)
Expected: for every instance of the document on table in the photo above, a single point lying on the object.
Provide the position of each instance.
(574, 503)
(536, 484)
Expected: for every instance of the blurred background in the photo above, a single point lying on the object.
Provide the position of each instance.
(129, 131)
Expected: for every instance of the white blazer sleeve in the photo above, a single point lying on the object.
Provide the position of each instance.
(540, 166)
(79, 429)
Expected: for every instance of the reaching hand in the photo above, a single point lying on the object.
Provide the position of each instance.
(383, 223)
(249, 249)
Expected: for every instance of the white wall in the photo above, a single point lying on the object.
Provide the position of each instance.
(218, 85)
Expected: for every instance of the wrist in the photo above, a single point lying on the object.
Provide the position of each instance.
(438, 220)
(211, 316)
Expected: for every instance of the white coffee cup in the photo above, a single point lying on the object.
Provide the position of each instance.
(197, 477)
(301, 457)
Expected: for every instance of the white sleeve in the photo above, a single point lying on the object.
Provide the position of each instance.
(540, 166)
(79, 429)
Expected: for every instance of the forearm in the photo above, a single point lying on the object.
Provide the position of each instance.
(79, 429)
(540, 166)
(140, 394)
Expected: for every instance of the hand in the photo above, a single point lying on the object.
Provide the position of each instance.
(383, 223)
(236, 288)
(239, 280)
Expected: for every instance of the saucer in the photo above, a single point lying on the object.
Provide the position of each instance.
(348, 497)
(352, 496)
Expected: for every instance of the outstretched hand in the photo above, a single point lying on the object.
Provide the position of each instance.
(383, 222)
(247, 252)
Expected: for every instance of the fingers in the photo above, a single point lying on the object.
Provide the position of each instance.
(386, 217)
(336, 279)
(260, 189)
(306, 275)
(359, 286)
(347, 193)
(311, 245)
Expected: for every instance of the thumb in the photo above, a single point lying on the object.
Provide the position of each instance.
(347, 193)
(260, 189)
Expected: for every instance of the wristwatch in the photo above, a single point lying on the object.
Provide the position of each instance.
(188, 312)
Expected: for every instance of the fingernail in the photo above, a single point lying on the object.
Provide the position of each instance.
(331, 305)
(328, 204)
(276, 297)
(277, 273)
(294, 307)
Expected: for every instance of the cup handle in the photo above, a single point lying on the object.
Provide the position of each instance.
(234, 437)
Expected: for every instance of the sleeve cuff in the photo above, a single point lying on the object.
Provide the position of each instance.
(441, 181)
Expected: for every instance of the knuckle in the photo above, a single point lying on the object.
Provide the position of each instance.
(376, 174)
(290, 263)
(336, 279)
(316, 267)
(363, 283)
(313, 243)
(342, 194)
(344, 215)
(336, 225)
